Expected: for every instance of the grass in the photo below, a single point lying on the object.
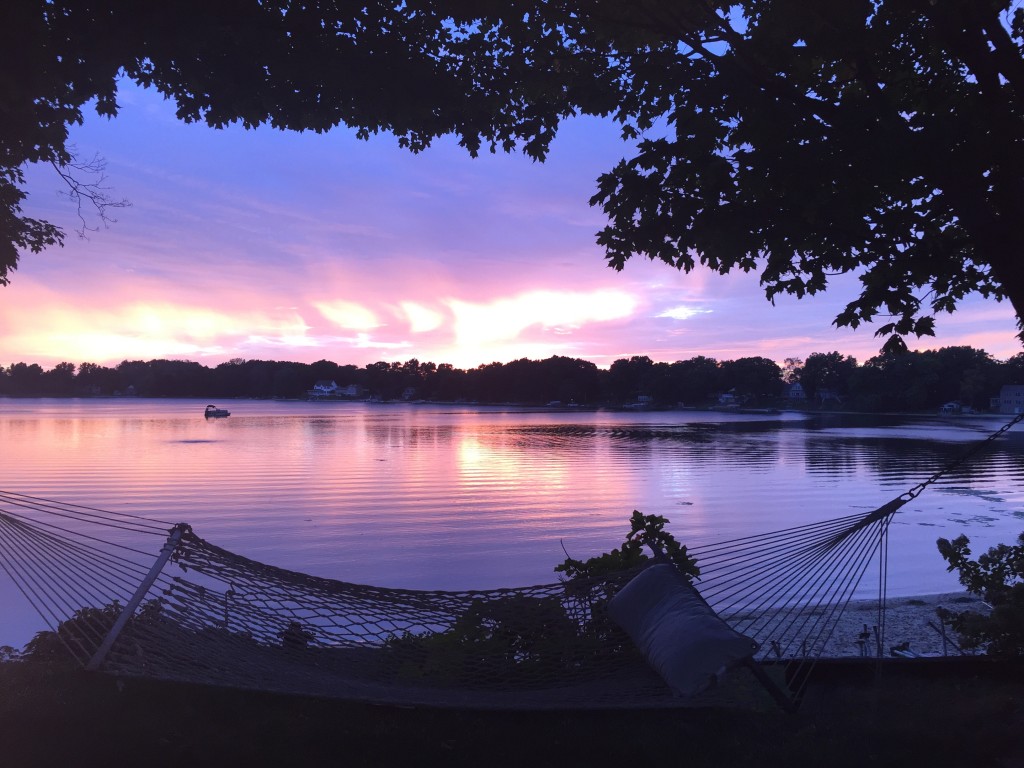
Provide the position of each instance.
(915, 714)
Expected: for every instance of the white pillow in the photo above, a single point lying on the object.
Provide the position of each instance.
(682, 638)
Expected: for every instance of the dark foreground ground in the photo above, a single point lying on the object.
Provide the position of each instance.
(914, 715)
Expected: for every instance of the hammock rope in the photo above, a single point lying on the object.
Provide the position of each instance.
(208, 615)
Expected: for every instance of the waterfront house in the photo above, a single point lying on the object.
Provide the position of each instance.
(1010, 400)
(827, 395)
(730, 399)
(324, 388)
(794, 391)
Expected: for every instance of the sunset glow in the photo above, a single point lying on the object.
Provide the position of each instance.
(267, 245)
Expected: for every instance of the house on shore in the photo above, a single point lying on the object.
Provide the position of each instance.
(794, 392)
(730, 399)
(323, 388)
(1010, 399)
(828, 395)
(326, 389)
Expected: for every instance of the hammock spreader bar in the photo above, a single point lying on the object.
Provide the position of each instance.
(136, 600)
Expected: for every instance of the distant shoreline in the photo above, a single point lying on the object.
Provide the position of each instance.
(753, 411)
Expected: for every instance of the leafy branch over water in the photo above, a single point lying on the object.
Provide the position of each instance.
(644, 531)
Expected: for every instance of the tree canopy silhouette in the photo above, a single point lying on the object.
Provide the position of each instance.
(880, 138)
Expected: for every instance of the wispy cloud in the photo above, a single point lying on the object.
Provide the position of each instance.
(421, 319)
(347, 314)
(682, 312)
(478, 325)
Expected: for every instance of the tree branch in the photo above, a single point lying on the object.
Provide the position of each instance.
(86, 187)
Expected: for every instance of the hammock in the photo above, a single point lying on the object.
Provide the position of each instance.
(193, 612)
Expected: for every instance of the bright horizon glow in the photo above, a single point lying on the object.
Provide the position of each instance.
(270, 245)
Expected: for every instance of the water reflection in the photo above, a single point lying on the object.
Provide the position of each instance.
(451, 497)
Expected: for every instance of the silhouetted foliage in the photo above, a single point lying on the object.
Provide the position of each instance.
(997, 577)
(630, 379)
(912, 381)
(826, 373)
(756, 379)
(798, 140)
(646, 533)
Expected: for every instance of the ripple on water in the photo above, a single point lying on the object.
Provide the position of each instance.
(439, 497)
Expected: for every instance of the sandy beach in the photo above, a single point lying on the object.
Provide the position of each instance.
(910, 620)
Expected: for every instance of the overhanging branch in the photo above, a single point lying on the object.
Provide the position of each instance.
(86, 187)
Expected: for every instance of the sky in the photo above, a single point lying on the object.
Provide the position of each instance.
(269, 245)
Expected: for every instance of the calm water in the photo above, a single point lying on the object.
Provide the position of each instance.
(456, 497)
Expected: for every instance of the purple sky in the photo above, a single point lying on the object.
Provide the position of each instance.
(270, 245)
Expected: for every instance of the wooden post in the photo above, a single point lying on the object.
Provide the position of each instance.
(133, 604)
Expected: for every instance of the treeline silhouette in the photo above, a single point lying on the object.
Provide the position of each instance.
(911, 381)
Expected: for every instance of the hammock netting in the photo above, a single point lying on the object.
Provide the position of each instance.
(135, 596)
(194, 612)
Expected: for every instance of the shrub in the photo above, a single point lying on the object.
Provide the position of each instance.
(997, 577)
(644, 530)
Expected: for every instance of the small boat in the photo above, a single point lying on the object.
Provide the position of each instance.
(213, 412)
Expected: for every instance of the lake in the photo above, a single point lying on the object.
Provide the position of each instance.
(454, 497)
